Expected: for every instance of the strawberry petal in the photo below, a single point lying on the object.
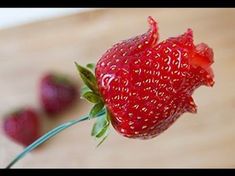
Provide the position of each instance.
(203, 57)
(154, 36)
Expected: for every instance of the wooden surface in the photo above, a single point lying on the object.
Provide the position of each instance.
(206, 139)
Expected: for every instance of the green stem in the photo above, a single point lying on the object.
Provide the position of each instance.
(49, 135)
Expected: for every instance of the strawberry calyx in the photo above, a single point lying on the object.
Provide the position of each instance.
(60, 79)
(90, 92)
(15, 112)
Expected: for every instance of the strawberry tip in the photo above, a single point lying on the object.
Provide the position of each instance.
(189, 32)
(153, 29)
(190, 105)
(151, 21)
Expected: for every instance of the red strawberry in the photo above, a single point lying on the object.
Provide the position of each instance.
(146, 85)
(22, 126)
(57, 93)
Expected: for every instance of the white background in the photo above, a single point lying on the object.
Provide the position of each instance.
(10, 17)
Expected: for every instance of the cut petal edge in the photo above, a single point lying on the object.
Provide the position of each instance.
(153, 30)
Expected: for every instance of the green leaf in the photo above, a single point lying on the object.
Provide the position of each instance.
(102, 140)
(91, 66)
(108, 115)
(96, 109)
(91, 97)
(100, 126)
(102, 132)
(87, 77)
(84, 89)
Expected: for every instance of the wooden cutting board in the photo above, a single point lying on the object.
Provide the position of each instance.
(206, 139)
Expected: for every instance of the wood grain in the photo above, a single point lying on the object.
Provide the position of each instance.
(202, 140)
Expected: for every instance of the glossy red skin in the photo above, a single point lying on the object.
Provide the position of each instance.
(147, 85)
(22, 126)
(56, 97)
